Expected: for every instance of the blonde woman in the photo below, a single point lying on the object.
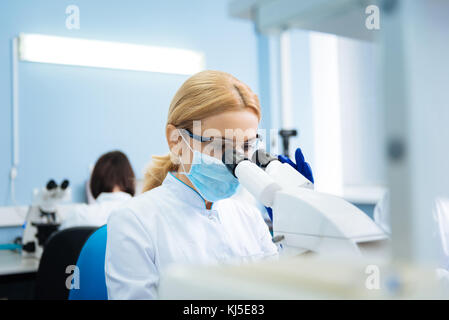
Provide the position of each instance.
(186, 214)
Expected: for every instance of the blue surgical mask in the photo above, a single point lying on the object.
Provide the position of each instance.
(210, 177)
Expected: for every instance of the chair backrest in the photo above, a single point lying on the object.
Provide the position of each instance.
(60, 251)
(92, 281)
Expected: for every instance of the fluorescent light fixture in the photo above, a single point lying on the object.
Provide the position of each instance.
(104, 54)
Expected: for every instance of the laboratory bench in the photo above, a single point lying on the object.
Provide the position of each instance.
(17, 275)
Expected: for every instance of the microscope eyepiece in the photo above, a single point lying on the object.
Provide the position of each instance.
(231, 160)
(262, 158)
(64, 184)
(51, 185)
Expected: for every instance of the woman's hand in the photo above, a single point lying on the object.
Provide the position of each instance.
(301, 165)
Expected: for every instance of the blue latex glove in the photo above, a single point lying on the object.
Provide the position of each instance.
(301, 166)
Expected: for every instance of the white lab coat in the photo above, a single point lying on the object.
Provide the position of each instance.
(95, 214)
(169, 225)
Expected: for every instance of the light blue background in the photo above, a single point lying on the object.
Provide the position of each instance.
(69, 116)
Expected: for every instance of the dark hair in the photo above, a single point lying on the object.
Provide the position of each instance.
(112, 169)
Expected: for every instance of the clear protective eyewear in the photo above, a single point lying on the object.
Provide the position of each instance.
(221, 145)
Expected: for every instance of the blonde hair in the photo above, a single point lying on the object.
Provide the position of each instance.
(204, 94)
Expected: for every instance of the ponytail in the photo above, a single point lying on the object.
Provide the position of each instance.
(157, 171)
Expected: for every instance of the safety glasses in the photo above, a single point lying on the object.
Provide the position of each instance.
(220, 145)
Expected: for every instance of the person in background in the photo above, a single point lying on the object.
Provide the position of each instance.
(112, 182)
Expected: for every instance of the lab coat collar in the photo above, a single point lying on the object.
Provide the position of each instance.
(184, 192)
(113, 196)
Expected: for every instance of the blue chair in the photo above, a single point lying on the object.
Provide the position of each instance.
(92, 281)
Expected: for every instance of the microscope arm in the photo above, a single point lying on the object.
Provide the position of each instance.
(307, 219)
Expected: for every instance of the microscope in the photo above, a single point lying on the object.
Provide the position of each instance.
(305, 220)
(327, 244)
(42, 218)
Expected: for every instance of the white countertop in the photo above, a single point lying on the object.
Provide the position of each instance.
(15, 216)
(11, 262)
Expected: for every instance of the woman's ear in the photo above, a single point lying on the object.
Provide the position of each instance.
(173, 137)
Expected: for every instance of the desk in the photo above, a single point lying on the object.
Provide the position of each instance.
(11, 262)
(17, 275)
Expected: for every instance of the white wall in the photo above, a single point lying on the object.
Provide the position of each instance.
(336, 109)
(425, 51)
(362, 117)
